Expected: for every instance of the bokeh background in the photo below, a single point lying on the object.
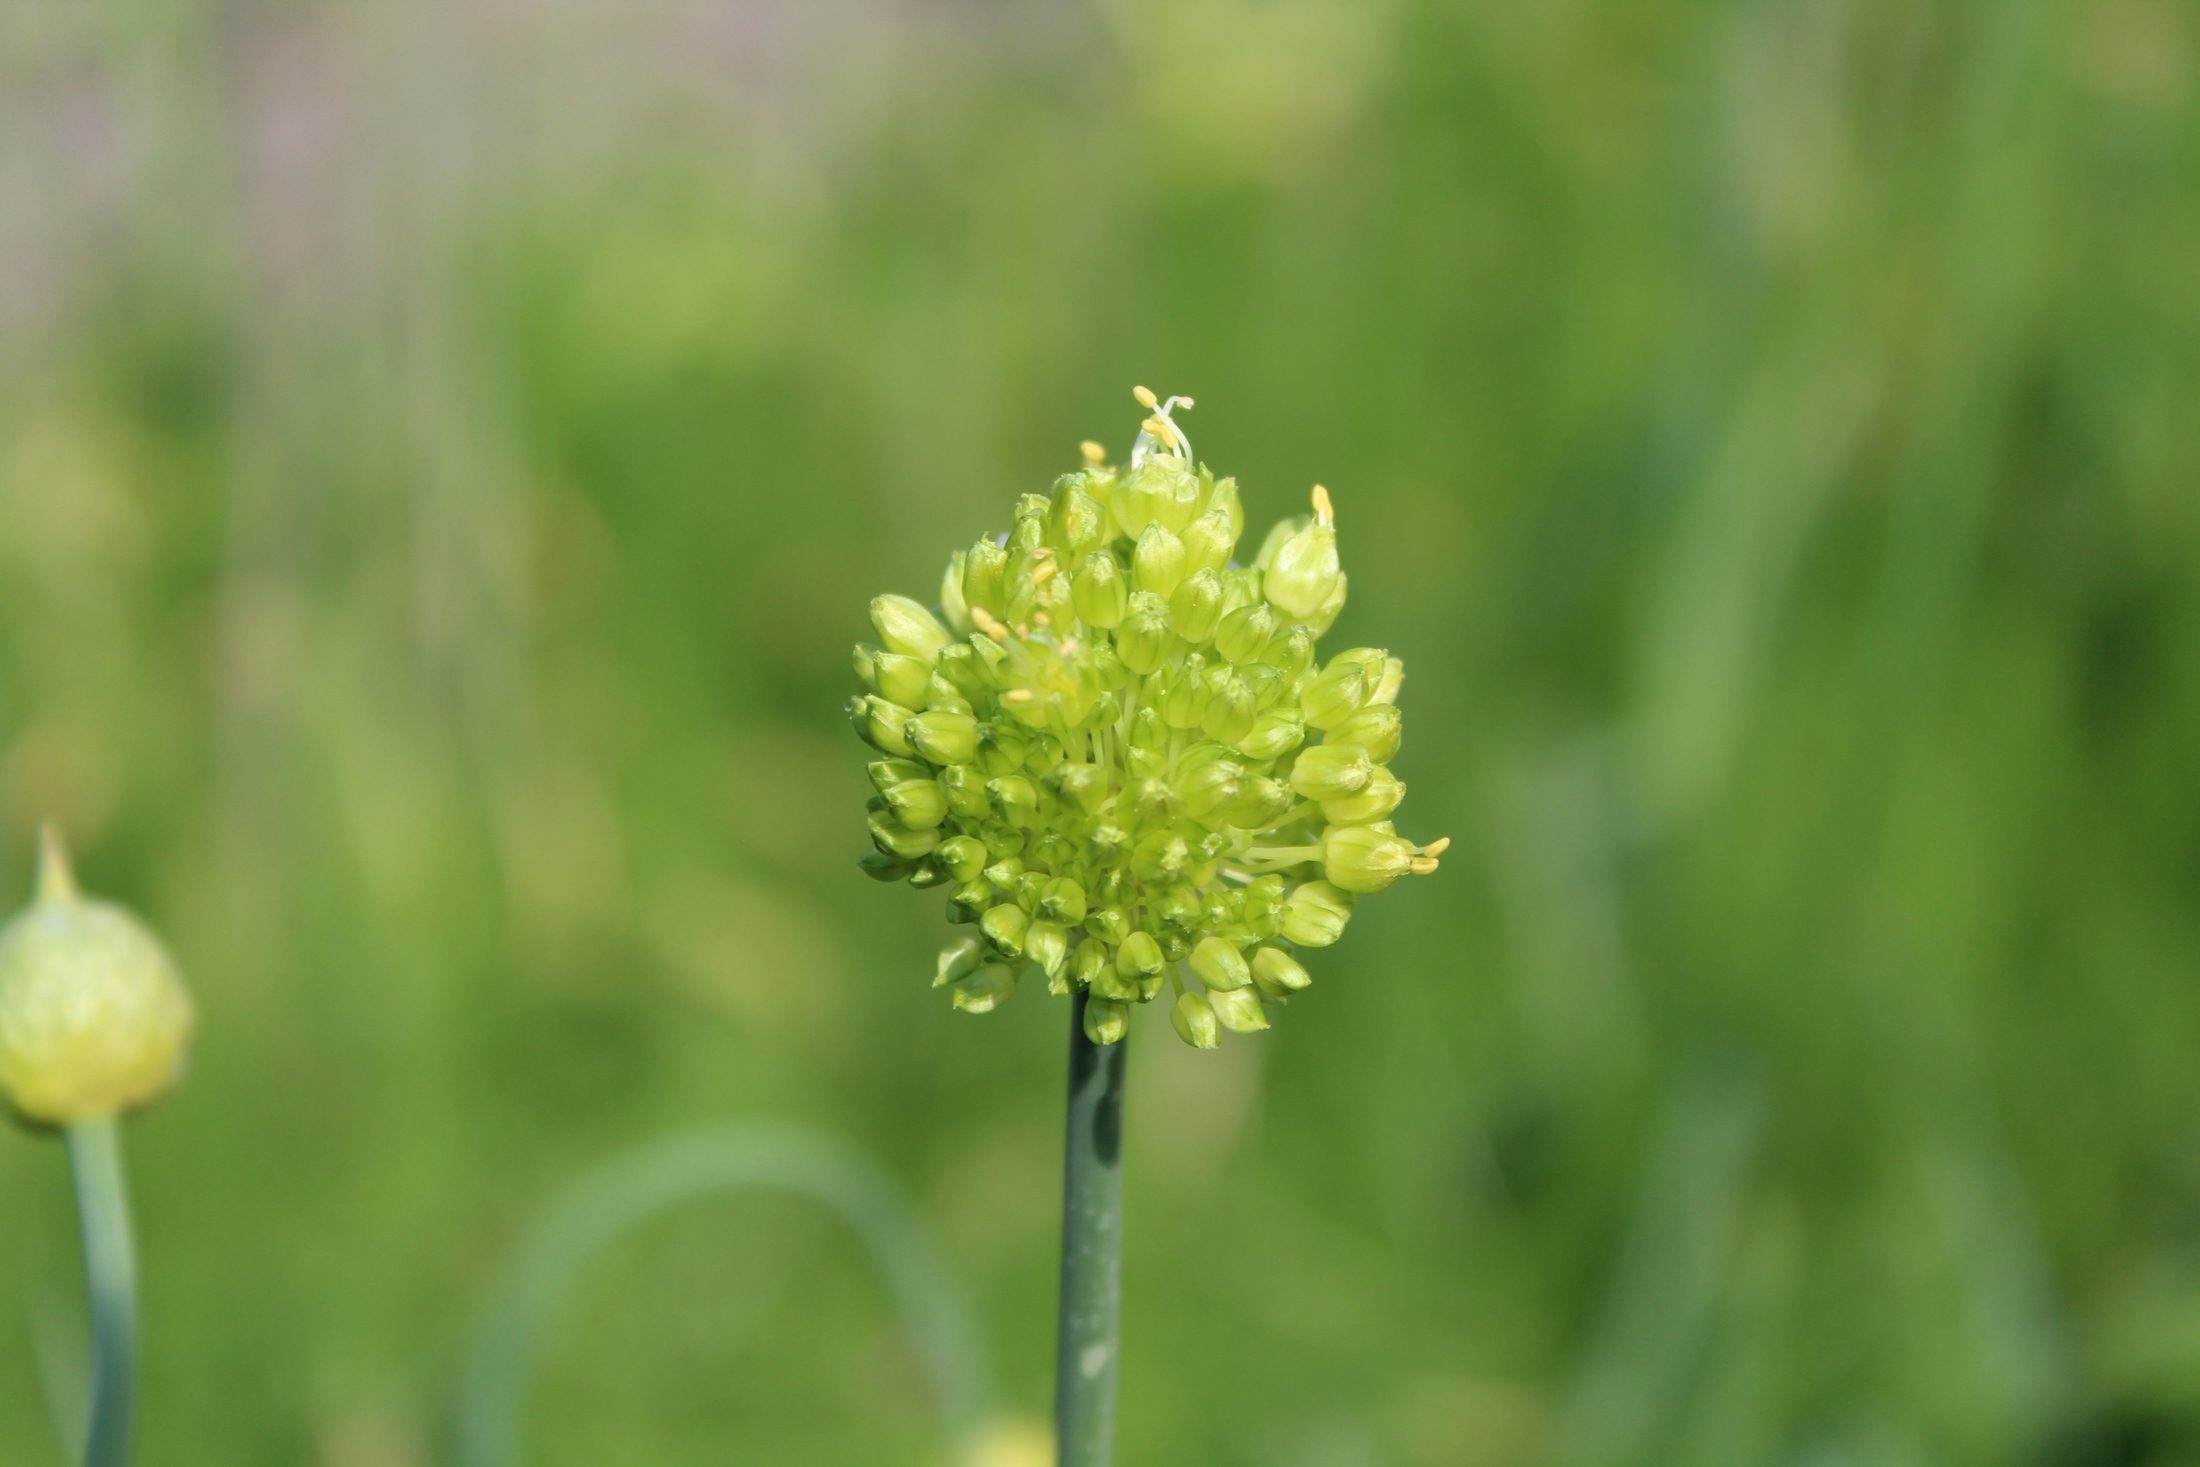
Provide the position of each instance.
(445, 451)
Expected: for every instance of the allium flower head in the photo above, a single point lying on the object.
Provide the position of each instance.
(1115, 748)
(94, 1021)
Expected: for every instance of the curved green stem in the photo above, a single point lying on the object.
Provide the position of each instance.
(110, 1274)
(603, 1206)
(1092, 1250)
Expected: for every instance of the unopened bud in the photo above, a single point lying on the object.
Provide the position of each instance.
(1239, 1010)
(1143, 638)
(1245, 633)
(1195, 1021)
(1195, 606)
(943, 736)
(1219, 964)
(1047, 945)
(1302, 574)
(1314, 915)
(985, 990)
(959, 959)
(1277, 974)
(1328, 771)
(1377, 728)
(1098, 591)
(1157, 565)
(1106, 1021)
(1139, 956)
(1374, 800)
(1005, 927)
(906, 627)
(93, 1019)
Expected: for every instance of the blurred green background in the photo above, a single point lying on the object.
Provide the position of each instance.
(445, 452)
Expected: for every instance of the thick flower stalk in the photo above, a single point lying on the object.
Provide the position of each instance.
(1116, 750)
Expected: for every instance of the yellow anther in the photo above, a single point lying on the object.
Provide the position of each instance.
(1323, 509)
(1018, 695)
(1437, 847)
(1040, 618)
(988, 623)
(1093, 453)
(1146, 399)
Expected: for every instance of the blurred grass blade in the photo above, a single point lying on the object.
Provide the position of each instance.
(606, 1205)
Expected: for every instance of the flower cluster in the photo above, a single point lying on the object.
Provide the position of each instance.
(1116, 749)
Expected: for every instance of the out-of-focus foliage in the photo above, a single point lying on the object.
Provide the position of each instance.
(444, 455)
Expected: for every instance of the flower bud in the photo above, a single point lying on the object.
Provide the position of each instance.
(959, 959)
(897, 839)
(1277, 974)
(1366, 858)
(944, 737)
(886, 773)
(880, 723)
(1047, 945)
(1314, 914)
(1209, 788)
(1161, 490)
(1328, 771)
(1184, 702)
(1112, 925)
(1087, 962)
(1195, 1021)
(1143, 638)
(1208, 541)
(1219, 964)
(965, 789)
(1273, 735)
(1195, 606)
(1098, 591)
(1158, 562)
(1076, 522)
(1261, 802)
(906, 627)
(1082, 785)
(985, 577)
(1139, 956)
(1386, 686)
(1374, 800)
(902, 679)
(964, 857)
(1334, 694)
(1005, 927)
(1246, 632)
(1290, 652)
(1376, 728)
(1229, 715)
(985, 990)
(919, 804)
(953, 606)
(969, 901)
(94, 1021)
(879, 866)
(1301, 571)
(1239, 1010)
(1106, 1022)
(1063, 900)
(1016, 800)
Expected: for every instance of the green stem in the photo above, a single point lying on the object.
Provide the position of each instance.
(1092, 1250)
(110, 1274)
